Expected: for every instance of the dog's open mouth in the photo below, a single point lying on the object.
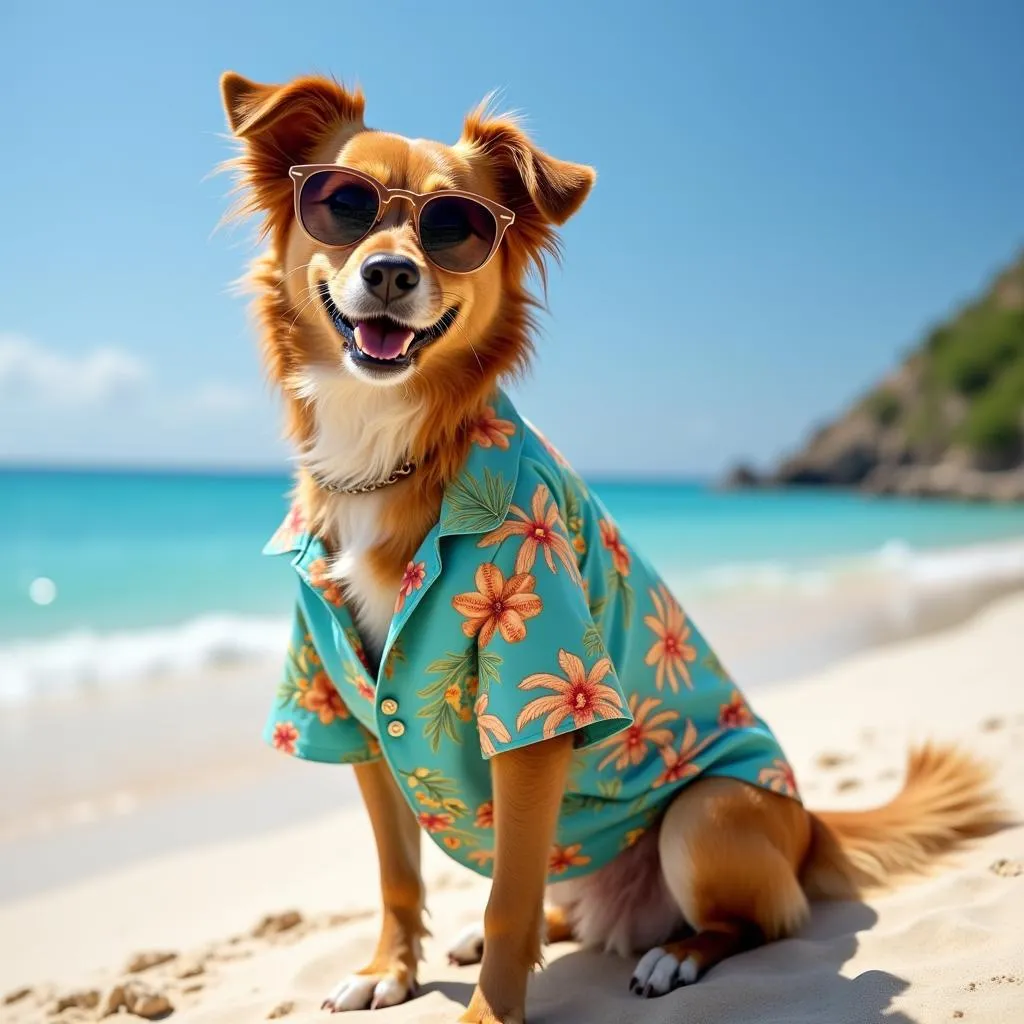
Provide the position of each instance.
(381, 342)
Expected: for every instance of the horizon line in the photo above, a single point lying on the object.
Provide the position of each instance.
(275, 471)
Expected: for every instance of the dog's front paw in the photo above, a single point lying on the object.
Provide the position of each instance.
(468, 947)
(369, 992)
(480, 1011)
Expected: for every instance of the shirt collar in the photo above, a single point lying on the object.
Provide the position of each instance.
(476, 501)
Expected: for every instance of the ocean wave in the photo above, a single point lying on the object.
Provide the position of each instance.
(83, 660)
(896, 562)
(86, 659)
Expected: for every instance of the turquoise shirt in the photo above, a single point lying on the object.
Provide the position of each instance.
(523, 615)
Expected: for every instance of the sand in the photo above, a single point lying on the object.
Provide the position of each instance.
(943, 948)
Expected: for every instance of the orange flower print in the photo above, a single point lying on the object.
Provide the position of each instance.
(498, 605)
(736, 714)
(670, 652)
(778, 777)
(541, 529)
(482, 857)
(632, 837)
(412, 579)
(631, 747)
(621, 558)
(489, 431)
(318, 578)
(453, 695)
(679, 763)
(435, 822)
(452, 842)
(582, 696)
(296, 521)
(485, 815)
(488, 726)
(359, 681)
(319, 696)
(395, 655)
(284, 737)
(286, 534)
(564, 857)
(356, 643)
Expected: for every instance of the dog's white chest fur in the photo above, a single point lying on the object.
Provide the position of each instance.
(362, 433)
(356, 521)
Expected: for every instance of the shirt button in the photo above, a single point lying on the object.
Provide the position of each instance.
(396, 729)
(388, 706)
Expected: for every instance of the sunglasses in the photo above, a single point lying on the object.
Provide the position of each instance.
(458, 231)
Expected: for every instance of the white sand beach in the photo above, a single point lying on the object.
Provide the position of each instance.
(260, 926)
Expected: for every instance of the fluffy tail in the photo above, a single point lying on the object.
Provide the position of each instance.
(947, 798)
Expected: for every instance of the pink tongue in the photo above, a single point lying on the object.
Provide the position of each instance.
(380, 344)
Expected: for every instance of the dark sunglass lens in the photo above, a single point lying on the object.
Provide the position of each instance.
(336, 208)
(457, 233)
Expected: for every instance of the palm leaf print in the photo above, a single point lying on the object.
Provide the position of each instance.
(619, 584)
(593, 644)
(287, 691)
(297, 666)
(442, 718)
(477, 504)
(487, 668)
(438, 790)
(712, 664)
(576, 803)
(573, 511)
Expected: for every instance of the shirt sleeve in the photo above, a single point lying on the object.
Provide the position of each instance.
(309, 719)
(542, 665)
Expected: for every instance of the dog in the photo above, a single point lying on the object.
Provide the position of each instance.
(472, 632)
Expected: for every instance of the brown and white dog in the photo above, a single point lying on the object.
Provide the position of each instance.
(734, 863)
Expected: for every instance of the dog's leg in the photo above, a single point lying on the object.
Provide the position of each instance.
(390, 977)
(528, 788)
(730, 855)
(468, 947)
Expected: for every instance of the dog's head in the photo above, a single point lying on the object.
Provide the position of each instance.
(397, 305)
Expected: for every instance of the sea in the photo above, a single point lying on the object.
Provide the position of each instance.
(116, 577)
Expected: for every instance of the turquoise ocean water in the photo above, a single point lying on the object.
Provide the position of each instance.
(156, 571)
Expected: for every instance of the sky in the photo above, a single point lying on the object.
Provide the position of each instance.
(788, 195)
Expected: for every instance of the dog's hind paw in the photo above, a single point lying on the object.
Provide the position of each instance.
(659, 972)
(468, 947)
(368, 992)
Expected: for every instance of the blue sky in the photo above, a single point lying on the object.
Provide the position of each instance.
(788, 194)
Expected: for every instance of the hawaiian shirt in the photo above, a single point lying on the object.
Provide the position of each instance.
(523, 615)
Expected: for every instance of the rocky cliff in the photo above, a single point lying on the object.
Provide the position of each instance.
(948, 422)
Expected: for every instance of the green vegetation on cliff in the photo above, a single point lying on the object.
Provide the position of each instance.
(948, 421)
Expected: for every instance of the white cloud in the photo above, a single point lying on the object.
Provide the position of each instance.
(215, 398)
(108, 405)
(37, 377)
(29, 372)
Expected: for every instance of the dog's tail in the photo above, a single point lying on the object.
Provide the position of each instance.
(947, 798)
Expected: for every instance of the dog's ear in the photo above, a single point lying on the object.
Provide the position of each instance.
(279, 126)
(531, 182)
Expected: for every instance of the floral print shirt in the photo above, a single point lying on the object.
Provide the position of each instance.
(523, 615)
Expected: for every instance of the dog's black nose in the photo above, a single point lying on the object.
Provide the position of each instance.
(389, 276)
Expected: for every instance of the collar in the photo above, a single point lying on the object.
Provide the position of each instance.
(476, 501)
(393, 477)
